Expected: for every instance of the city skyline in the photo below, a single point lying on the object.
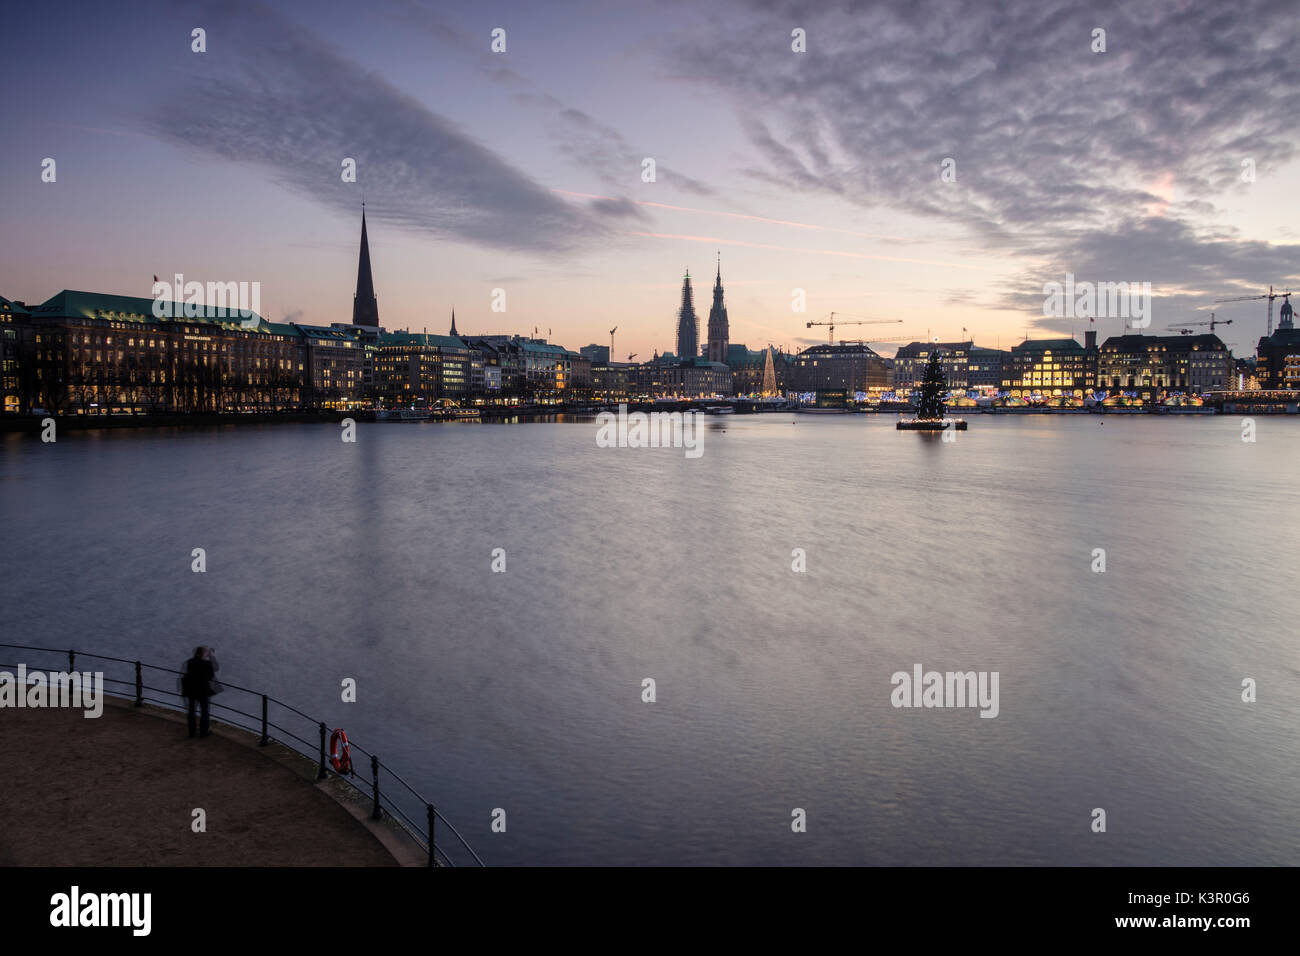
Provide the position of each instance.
(515, 171)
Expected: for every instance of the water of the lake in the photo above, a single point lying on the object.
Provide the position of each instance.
(522, 690)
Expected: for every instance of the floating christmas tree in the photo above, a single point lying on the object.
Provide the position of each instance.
(930, 408)
(933, 390)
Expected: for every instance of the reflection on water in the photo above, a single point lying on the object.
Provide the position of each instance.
(523, 689)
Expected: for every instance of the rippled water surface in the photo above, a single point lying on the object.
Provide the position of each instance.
(522, 690)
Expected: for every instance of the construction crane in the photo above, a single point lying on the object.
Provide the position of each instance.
(611, 342)
(894, 338)
(1270, 295)
(832, 323)
(1188, 328)
(632, 356)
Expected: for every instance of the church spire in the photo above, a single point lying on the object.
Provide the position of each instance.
(688, 336)
(365, 307)
(453, 333)
(719, 327)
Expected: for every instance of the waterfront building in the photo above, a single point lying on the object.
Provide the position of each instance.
(1246, 374)
(1051, 368)
(367, 339)
(579, 375)
(596, 353)
(418, 369)
(1205, 363)
(954, 357)
(477, 371)
(768, 371)
(612, 381)
(14, 318)
(531, 369)
(504, 352)
(984, 368)
(87, 353)
(719, 327)
(333, 364)
(1277, 364)
(496, 371)
(547, 370)
(1152, 365)
(687, 328)
(847, 368)
(673, 379)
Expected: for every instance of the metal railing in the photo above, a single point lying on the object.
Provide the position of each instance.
(381, 801)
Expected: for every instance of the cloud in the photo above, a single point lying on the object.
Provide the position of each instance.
(623, 208)
(1110, 165)
(604, 151)
(292, 105)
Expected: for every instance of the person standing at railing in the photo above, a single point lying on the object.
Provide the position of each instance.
(198, 685)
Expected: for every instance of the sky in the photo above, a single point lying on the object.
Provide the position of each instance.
(523, 170)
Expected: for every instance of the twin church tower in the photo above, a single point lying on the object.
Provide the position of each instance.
(688, 335)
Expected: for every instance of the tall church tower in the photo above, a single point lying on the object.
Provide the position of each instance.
(365, 307)
(719, 329)
(688, 334)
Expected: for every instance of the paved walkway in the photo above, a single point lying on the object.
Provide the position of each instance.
(119, 790)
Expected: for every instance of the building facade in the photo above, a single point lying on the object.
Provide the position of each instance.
(421, 370)
(85, 353)
(769, 371)
(984, 368)
(1277, 356)
(911, 359)
(849, 367)
(14, 320)
(333, 364)
(698, 379)
(1152, 365)
(1051, 368)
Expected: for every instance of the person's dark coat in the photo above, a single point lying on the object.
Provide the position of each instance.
(197, 682)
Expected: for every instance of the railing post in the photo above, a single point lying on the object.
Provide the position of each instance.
(139, 686)
(432, 814)
(265, 740)
(72, 661)
(376, 813)
(322, 775)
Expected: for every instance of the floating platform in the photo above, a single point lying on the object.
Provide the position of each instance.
(931, 424)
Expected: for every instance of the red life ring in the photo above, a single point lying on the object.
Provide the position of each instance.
(340, 753)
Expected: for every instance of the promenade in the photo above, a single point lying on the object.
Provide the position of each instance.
(120, 790)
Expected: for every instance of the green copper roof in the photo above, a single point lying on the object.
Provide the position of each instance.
(421, 338)
(71, 303)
